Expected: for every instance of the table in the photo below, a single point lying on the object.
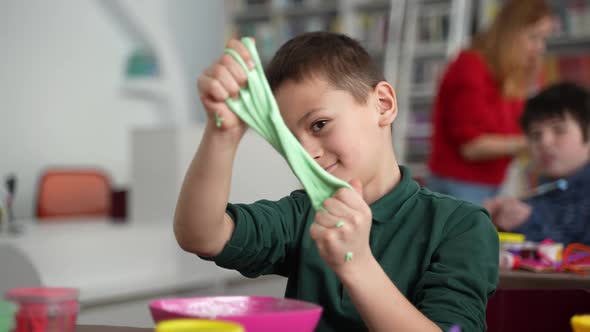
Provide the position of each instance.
(544, 280)
(112, 262)
(102, 328)
(120, 267)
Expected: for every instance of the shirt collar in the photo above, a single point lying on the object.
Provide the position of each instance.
(582, 175)
(385, 208)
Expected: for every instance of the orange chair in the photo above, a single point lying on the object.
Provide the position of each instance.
(71, 193)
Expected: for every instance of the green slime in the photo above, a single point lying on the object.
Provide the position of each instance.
(258, 108)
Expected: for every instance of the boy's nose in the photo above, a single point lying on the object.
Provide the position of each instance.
(546, 140)
(312, 147)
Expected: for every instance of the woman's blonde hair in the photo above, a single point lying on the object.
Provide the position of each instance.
(499, 44)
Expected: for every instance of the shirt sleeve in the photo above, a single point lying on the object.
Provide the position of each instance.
(462, 275)
(470, 106)
(265, 235)
(538, 226)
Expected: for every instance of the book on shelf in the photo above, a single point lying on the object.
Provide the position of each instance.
(271, 22)
(417, 149)
(574, 18)
(573, 68)
(433, 28)
(271, 34)
(278, 5)
(373, 30)
(418, 136)
(421, 119)
(428, 71)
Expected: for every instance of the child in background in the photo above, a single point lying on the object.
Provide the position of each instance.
(557, 123)
(420, 261)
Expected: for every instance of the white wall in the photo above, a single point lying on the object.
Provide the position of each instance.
(61, 71)
(259, 172)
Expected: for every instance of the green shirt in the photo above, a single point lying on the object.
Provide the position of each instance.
(441, 253)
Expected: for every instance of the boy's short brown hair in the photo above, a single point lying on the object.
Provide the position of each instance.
(334, 57)
(555, 102)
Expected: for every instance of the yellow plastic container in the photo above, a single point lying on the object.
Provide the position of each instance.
(581, 323)
(511, 237)
(197, 325)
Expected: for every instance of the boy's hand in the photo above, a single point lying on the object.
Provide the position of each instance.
(221, 80)
(508, 213)
(342, 230)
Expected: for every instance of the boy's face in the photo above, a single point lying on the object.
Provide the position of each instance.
(557, 146)
(343, 136)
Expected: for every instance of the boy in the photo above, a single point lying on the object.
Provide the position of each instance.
(556, 123)
(421, 261)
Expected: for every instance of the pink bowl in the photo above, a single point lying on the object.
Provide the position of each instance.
(255, 313)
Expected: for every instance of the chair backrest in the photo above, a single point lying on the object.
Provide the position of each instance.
(73, 193)
(17, 269)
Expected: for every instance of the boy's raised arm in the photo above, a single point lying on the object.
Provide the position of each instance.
(201, 225)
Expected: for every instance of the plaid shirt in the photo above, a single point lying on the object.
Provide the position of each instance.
(563, 216)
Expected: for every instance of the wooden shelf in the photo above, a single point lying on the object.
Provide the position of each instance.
(431, 49)
(435, 2)
(422, 130)
(569, 44)
(303, 10)
(422, 91)
(265, 13)
(254, 13)
(374, 6)
(422, 100)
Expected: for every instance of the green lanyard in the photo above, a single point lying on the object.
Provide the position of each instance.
(258, 108)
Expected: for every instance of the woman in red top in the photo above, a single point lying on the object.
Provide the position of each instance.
(480, 98)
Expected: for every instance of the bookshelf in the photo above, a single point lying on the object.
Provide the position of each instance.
(568, 57)
(411, 39)
(433, 33)
(273, 22)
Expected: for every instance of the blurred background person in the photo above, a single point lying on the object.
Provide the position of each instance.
(480, 99)
(556, 123)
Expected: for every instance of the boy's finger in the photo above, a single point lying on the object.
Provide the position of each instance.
(227, 80)
(327, 220)
(490, 205)
(316, 231)
(239, 47)
(215, 107)
(212, 88)
(357, 185)
(351, 198)
(337, 207)
(235, 69)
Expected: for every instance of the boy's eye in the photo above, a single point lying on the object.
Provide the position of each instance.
(560, 129)
(317, 126)
(535, 136)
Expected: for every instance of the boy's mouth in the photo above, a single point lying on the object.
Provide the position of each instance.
(547, 160)
(330, 168)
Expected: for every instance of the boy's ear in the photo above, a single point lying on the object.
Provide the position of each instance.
(386, 103)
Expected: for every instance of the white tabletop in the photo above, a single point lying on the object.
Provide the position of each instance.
(109, 261)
